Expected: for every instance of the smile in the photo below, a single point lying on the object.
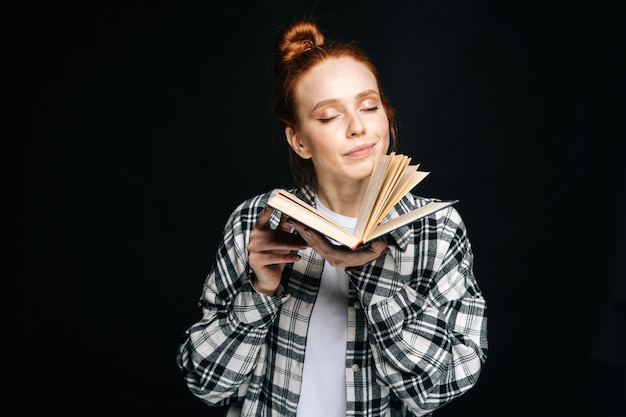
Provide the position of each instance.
(360, 151)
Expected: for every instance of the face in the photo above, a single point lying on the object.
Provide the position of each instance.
(343, 126)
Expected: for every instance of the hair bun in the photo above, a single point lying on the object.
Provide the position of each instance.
(295, 39)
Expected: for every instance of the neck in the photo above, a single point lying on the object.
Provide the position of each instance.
(343, 200)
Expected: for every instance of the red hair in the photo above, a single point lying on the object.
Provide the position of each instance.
(299, 47)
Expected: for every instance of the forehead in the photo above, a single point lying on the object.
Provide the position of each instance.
(336, 78)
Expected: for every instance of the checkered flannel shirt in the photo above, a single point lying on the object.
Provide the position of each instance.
(417, 325)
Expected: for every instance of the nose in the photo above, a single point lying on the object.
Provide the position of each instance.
(356, 128)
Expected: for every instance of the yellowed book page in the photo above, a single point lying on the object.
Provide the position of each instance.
(292, 206)
(408, 182)
(396, 169)
(407, 218)
(373, 189)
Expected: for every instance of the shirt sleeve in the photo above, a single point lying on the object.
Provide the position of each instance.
(219, 352)
(428, 327)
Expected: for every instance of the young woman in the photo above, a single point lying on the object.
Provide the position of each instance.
(295, 325)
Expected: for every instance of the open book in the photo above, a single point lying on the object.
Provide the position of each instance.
(392, 178)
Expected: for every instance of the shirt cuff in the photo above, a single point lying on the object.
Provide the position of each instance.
(257, 309)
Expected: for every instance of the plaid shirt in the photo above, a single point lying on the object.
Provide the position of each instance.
(417, 326)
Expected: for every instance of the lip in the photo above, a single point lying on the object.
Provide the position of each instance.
(360, 151)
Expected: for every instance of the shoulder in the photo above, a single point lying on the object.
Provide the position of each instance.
(247, 210)
(449, 215)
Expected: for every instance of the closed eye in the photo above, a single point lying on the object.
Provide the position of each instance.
(326, 119)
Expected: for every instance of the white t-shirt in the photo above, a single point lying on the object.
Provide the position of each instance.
(324, 374)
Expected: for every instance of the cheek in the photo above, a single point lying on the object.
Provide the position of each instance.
(320, 140)
(382, 128)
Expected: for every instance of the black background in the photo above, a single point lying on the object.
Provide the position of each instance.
(138, 127)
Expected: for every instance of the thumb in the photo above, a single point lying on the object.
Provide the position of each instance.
(378, 245)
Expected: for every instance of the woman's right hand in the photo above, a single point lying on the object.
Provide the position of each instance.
(269, 251)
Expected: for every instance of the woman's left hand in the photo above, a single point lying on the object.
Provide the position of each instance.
(338, 256)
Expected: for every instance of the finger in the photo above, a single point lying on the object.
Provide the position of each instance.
(265, 240)
(377, 246)
(286, 224)
(263, 221)
(286, 234)
(345, 257)
(310, 236)
(341, 256)
(273, 258)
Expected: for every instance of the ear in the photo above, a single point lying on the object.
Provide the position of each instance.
(296, 144)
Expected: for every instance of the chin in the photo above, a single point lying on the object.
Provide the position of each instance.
(365, 168)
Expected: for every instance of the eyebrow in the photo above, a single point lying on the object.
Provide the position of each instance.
(362, 94)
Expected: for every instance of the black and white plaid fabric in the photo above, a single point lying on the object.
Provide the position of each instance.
(417, 326)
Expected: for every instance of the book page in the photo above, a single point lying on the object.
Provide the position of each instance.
(373, 189)
(407, 183)
(396, 167)
(392, 178)
(292, 206)
(407, 218)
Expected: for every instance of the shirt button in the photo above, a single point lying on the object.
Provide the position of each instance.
(357, 305)
(355, 368)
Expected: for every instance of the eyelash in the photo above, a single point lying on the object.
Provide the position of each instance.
(369, 109)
